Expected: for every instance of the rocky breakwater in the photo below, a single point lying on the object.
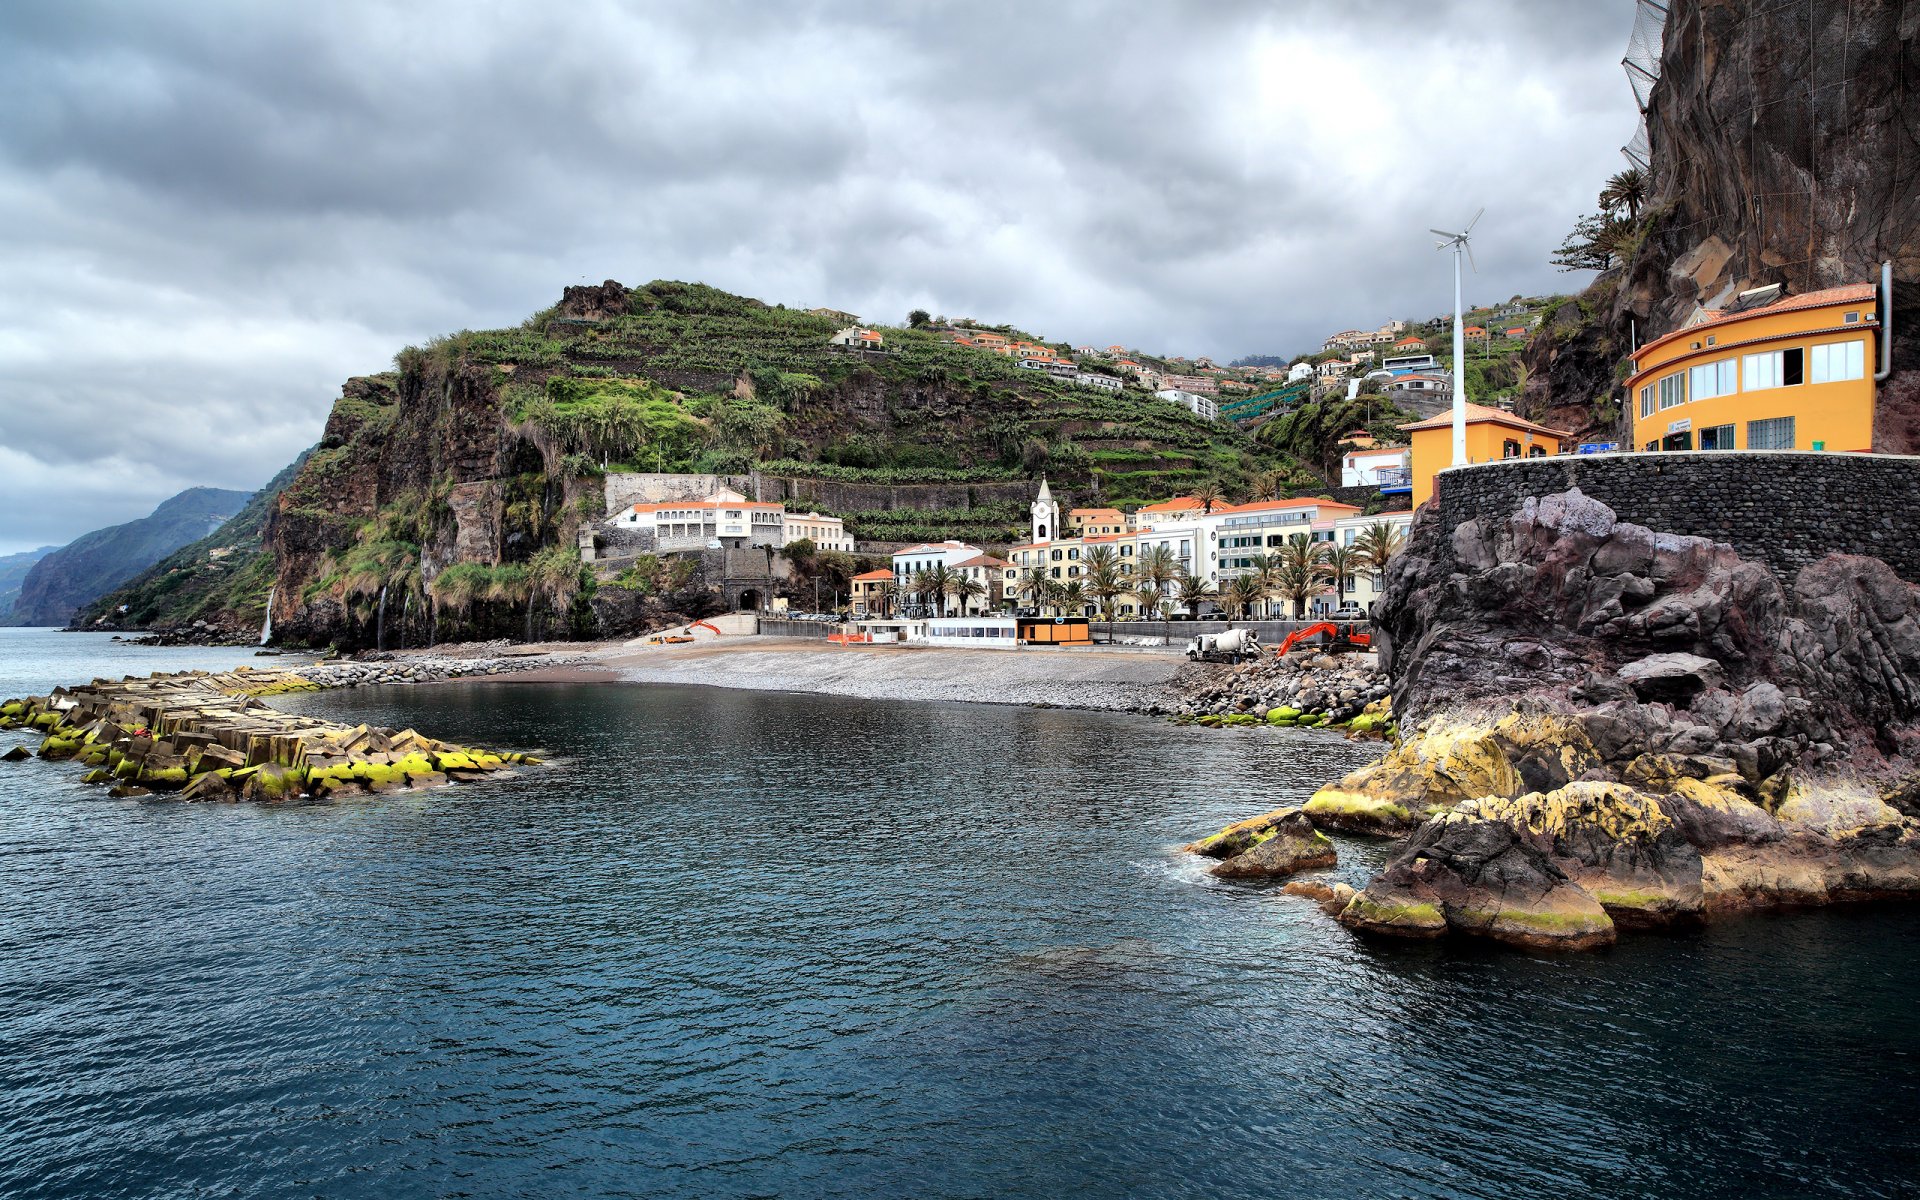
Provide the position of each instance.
(1306, 688)
(1608, 726)
(204, 736)
(370, 670)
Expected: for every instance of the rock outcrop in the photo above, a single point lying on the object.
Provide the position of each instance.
(1608, 726)
(1270, 846)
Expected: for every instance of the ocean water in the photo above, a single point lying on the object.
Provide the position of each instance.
(737, 945)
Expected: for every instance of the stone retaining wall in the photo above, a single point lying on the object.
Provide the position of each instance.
(1784, 508)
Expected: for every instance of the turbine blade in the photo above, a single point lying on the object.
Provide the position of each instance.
(1470, 262)
(1475, 221)
(1443, 233)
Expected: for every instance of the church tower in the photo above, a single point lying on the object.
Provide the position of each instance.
(1046, 514)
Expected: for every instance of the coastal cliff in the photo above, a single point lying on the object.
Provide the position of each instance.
(1783, 151)
(1608, 725)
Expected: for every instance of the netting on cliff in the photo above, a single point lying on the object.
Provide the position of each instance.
(1642, 64)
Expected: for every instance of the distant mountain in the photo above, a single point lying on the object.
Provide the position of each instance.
(222, 579)
(13, 571)
(69, 577)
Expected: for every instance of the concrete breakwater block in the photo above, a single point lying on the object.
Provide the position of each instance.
(207, 736)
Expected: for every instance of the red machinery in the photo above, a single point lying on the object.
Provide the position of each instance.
(1340, 637)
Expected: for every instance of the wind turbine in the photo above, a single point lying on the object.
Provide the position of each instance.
(1458, 242)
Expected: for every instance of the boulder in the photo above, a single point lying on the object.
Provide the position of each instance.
(1470, 874)
(1287, 846)
(1674, 677)
(15, 754)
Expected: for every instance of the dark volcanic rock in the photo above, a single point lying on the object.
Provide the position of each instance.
(1286, 845)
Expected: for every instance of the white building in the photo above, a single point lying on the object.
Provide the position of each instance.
(827, 533)
(1375, 466)
(1204, 406)
(726, 518)
(924, 557)
(1333, 368)
(971, 633)
(1299, 371)
(857, 338)
(1105, 383)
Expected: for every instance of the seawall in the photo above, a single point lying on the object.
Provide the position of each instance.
(1784, 508)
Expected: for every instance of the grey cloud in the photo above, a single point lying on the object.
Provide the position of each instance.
(212, 213)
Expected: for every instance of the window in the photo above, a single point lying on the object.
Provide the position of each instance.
(1773, 434)
(1837, 361)
(1509, 449)
(1781, 368)
(1646, 401)
(1853, 318)
(1536, 451)
(1673, 390)
(1713, 379)
(1653, 445)
(1719, 437)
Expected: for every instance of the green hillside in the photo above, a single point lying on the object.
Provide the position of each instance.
(222, 578)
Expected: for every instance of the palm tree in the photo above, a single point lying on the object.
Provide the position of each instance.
(1627, 190)
(1303, 571)
(1341, 561)
(964, 589)
(1103, 578)
(1266, 572)
(1242, 594)
(1193, 591)
(1037, 588)
(889, 593)
(1209, 494)
(1266, 485)
(1153, 604)
(1072, 599)
(1375, 547)
(940, 583)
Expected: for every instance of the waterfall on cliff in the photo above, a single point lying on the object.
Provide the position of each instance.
(380, 621)
(266, 626)
(406, 614)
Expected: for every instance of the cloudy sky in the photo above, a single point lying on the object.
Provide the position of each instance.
(212, 213)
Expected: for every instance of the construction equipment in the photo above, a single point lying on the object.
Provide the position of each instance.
(1340, 638)
(1233, 646)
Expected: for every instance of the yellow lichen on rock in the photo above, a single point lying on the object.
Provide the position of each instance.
(1835, 807)
(1437, 766)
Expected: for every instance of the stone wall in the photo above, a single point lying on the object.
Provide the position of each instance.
(624, 488)
(1786, 509)
(833, 496)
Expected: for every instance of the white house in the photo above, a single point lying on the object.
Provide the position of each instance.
(924, 557)
(1105, 383)
(857, 338)
(725, 517)
(827, 533)
(1333, 368)
(1375, 466)
(1299, 371)
(1204, 406)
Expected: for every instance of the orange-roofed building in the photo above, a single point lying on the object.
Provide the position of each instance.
(872, 593)
(1768, 372)
(1492, 435)
(1475, 333)
(1095, 522)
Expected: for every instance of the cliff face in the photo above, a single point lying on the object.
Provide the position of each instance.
(91, 564)
(1785, 149)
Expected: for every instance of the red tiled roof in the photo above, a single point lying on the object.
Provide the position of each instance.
(640, 508)
(873, 576)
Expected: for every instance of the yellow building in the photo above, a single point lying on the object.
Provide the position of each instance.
(1491, 436)
(1095, 522)
(1762, 374)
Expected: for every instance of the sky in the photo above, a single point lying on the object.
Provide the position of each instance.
(212, 214)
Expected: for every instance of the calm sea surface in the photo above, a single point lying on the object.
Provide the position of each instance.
(763, 945)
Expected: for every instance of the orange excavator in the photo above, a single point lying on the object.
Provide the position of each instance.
(1340, 637)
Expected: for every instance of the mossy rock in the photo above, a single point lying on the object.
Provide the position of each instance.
(14, 709)
(97, 775)
(126, 768)
(57, 747)
(454, 760)
(165, 777)
(1286, 714)
(1240, 719)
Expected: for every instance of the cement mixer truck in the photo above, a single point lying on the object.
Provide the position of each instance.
(1233, 646)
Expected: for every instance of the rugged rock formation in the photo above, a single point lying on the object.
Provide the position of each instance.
(93, 563)
(1270, 846)
(1784, 150)
(1607, 725)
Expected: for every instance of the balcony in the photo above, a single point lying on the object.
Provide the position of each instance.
(1394, 477)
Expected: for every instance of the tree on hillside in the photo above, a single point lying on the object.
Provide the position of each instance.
(917, 318)
(1627, 189)
(1209, 494)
